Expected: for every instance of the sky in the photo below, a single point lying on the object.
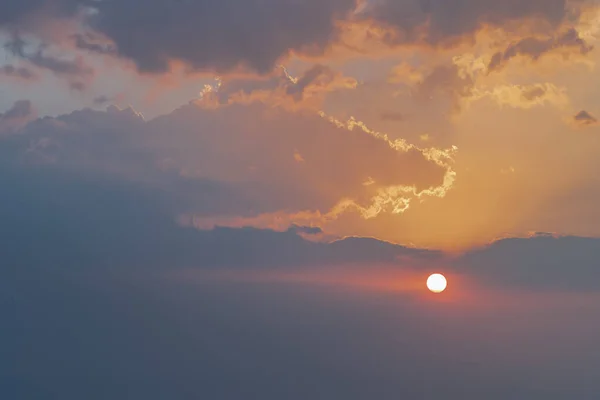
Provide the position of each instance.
(234, 199)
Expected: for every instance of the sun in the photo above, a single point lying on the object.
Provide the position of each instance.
(436, 283)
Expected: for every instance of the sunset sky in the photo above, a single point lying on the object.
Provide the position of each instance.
(366, 143)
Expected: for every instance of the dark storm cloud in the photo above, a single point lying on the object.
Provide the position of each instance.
(585, 118)
(535, 48)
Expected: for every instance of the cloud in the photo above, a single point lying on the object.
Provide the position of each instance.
(538, 261)
(405, 73)
(212, 35)
(461, 87)
(100, 100)
(279, 88)
(77, 198)
(17, 116)
(398, 172)
(17, 72)
(524, 96)
(20, 109)
(271, 162)
(90, 42)
(393, 116)
(437, 22)
(13, 13)
(208, 35)
(583, 118)
(446, 80)
(319, 78)
(73, 197)
(73, 68)
(535, 48)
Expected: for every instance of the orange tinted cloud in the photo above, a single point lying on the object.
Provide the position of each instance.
(534, 48)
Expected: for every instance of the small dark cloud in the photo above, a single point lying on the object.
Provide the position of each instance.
(306, 230)
(585, 118)
(86, 42)
(15, 45)
(77, 86)
(101, 100)
(73, 69)
(533, 93)
(17, 72)
(393, 116)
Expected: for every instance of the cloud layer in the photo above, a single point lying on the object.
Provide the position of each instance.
(226, 36)
(311, 175)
